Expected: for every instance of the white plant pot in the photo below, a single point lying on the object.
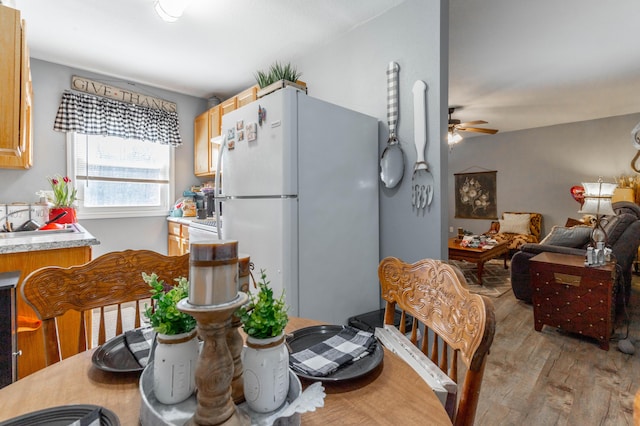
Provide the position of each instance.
(266, 373)
(174, 367)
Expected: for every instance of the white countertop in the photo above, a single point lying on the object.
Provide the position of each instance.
(48, 241)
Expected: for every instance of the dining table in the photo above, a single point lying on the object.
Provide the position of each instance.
(392, 393)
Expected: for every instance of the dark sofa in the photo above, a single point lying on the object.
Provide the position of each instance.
(623, 235)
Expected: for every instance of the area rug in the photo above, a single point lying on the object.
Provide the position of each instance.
(496, 280)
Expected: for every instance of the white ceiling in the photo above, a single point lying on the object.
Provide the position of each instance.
(523, 64)
(213, 49)
(515, 64)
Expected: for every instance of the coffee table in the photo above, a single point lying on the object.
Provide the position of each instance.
(477, 255)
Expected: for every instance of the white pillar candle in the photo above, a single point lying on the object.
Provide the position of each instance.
(213, 272)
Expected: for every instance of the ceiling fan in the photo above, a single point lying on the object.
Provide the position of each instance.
(456, 126)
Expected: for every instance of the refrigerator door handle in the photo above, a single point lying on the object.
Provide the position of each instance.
(218, 189)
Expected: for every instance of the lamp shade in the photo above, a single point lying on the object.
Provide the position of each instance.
(597, 198)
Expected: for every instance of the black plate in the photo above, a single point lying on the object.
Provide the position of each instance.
(114, 356)
(62, 416)
(309, 336)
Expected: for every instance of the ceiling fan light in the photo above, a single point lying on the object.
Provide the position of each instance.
(170, 10)
(454, 138)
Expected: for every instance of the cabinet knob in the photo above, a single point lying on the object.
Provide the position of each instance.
(18, 353)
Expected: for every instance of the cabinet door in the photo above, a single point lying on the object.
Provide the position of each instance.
(247, 96)
(174, 245)
(215, 124)
(10, 72)
(229, 105)
(26, 103)
(201, 145)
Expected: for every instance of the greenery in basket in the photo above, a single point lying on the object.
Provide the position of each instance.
(166, 318)
(264, 316)
(277, 72)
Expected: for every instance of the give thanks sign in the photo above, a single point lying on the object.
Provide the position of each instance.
(96, 88)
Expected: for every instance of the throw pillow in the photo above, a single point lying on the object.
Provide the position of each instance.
(576, 236)
(617, 225)
(515, 224)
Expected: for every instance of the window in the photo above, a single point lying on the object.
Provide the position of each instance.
(118, 177)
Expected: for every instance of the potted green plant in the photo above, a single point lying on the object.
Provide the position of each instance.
(277, 77)
(165, 317)
(177, 349)
(266, 358)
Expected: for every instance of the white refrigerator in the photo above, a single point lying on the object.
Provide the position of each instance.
(300, 195)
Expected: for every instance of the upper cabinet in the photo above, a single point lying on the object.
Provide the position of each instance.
(208, 125)
(16, 93)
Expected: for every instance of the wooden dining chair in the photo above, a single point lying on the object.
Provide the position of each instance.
(431, 292)
(109, 280)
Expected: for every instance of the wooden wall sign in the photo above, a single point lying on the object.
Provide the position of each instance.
(96, 88)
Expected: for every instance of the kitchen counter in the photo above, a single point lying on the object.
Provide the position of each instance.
(48, 241)
(181, 219)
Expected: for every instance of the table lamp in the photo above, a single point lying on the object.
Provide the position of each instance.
(597, 201)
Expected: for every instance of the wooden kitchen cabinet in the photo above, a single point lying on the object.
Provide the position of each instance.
(206, 126)
(246, 97)
(178, 239)
(229, 105)
(17, 93)
(30, 341)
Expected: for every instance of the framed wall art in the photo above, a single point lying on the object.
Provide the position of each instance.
(476, 195)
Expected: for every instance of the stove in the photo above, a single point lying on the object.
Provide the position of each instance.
(208, 224)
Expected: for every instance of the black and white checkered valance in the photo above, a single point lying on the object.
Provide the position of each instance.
(92, 115)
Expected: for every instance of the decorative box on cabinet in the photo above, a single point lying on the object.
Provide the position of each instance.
(17, 93)
(573, 297)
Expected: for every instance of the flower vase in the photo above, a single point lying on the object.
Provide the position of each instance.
(266, 373)
(70, 217)
(174, 366)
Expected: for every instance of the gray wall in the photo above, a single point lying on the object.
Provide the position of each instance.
(49, 158)
(537, 167)
(351, 71)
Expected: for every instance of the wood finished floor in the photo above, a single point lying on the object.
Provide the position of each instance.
(554, 378)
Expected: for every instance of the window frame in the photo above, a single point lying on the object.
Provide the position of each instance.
(118, 212)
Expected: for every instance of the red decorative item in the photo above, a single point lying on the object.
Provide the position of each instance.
(70, 217)
(577, 192)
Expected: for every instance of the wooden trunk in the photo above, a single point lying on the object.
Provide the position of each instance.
(573, 297)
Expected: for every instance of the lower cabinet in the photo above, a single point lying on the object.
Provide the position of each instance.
(30, 337)
(178, 239)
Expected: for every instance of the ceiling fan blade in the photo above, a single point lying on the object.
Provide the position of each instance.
(472, 123)
(478, 130)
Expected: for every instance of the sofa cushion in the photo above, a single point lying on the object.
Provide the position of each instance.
(617, 225)
(515, 223)
(575, 236)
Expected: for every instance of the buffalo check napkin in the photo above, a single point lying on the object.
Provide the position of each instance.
(139, 343)
(325, 357)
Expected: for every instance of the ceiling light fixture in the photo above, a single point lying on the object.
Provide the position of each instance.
(171, 10)
(454, 137)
